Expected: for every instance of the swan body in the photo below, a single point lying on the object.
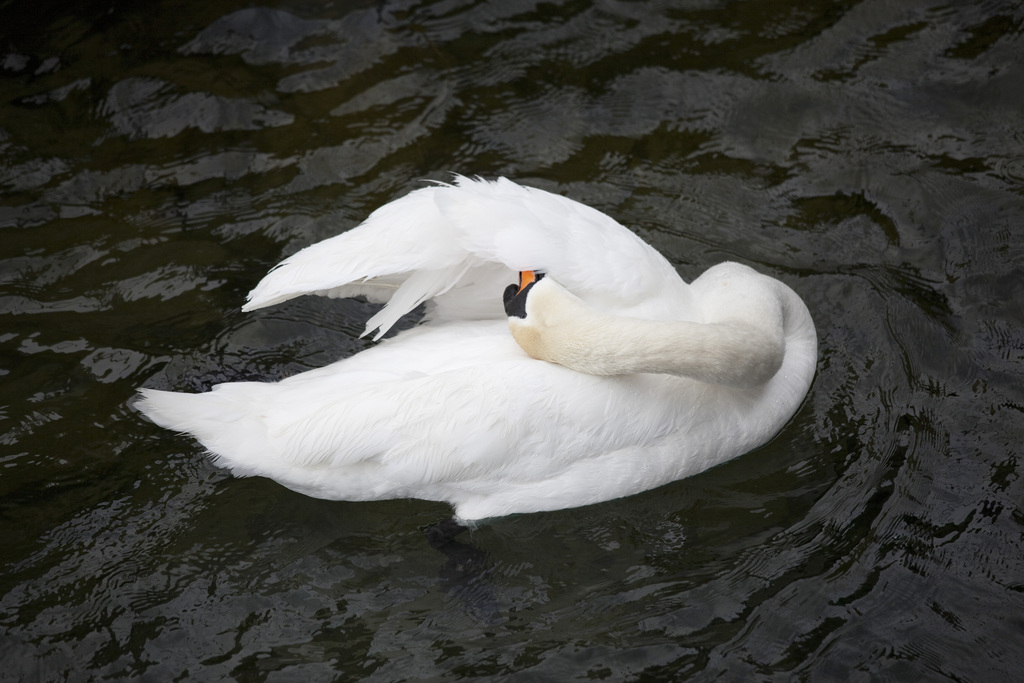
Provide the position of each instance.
(607, 376)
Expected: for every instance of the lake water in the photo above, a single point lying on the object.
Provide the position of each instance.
(157, 158)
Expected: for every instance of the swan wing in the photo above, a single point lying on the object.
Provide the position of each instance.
(459, 244)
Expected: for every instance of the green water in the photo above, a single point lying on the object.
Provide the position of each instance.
(157, 159)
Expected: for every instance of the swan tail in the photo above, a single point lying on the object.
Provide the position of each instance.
(227, 428)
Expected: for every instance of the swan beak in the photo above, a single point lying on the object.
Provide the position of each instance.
(526, 277)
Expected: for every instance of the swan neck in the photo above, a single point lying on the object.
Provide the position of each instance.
(731, 353)
(561, 328)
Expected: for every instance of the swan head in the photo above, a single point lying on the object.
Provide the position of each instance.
(528, 306)
(552, 324)
(516, 294)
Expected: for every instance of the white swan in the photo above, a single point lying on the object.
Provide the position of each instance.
(643, 379)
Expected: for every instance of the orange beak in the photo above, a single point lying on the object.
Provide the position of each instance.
(525, 278)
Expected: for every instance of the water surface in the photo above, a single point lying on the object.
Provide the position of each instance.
(156, 159)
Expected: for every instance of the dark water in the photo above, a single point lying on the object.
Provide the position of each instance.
(157, 158)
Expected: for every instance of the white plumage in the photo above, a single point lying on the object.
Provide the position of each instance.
(455, 410)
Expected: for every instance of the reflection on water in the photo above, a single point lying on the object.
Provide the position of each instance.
(156, 159)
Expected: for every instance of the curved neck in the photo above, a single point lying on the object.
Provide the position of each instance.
(740, 350)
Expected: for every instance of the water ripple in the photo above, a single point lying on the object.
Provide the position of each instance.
(154, 167)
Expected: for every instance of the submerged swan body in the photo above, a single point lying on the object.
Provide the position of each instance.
(606, 376)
